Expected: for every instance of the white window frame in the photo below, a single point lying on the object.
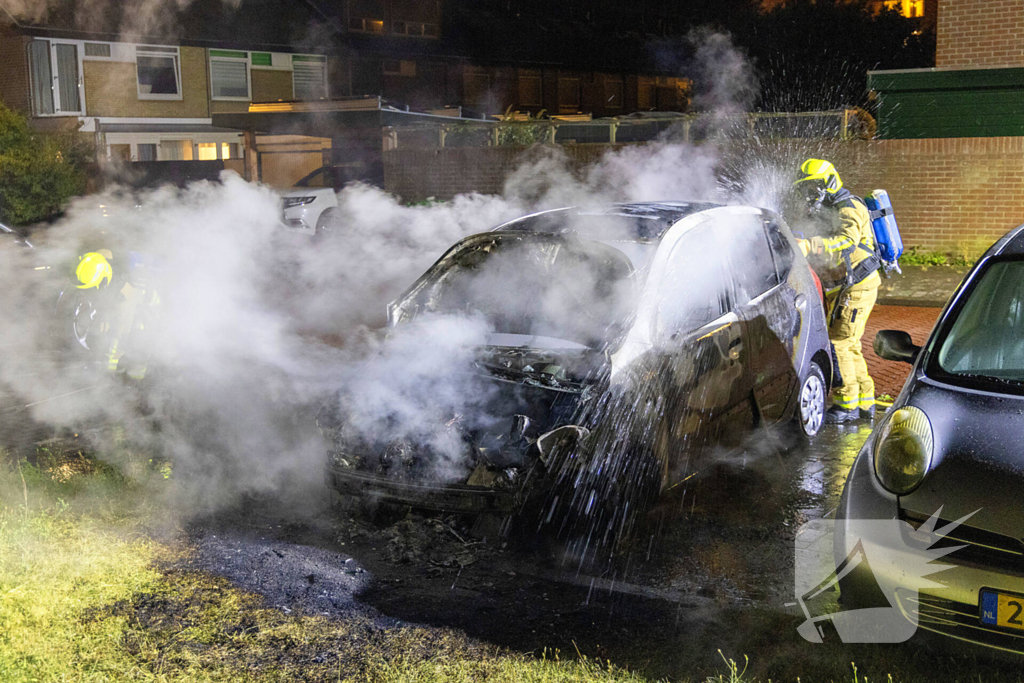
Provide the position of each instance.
(159, 51)
(54, 78)
(211, 58)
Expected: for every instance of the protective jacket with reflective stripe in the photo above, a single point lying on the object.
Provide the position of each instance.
(851, 235)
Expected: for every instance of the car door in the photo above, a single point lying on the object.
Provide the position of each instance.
(768, 307)
(705, 379)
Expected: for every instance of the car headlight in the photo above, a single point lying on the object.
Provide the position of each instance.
(289, 202)
(903, 451)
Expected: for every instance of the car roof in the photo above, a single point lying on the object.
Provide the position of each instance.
(1010, 244)
(652, 219)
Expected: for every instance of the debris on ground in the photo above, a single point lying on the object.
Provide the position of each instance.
(431, 542)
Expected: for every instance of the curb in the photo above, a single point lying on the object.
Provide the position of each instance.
(916, 303)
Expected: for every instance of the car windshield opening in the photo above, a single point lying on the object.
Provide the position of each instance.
(986, 340)
(318, 178)
(539, 285)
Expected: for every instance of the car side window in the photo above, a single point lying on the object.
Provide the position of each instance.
(695, 288)
(753, 265)
(315, 179)
(782, 250)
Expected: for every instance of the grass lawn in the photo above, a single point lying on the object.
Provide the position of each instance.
(83, 598)
(88, 594)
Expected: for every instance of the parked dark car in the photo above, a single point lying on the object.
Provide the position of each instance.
(951, 447)
(679, 327)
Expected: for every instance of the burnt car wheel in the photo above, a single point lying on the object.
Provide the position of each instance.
(810, 412)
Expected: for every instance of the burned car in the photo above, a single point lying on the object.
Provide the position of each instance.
(619, 344)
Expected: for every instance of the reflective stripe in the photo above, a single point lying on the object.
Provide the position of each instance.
(833, 244)
(867, 400)
(112, 358)
(847, 404)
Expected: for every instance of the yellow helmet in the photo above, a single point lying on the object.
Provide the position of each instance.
(820, 173)
(93, 268)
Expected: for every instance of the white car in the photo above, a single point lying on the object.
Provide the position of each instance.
(309, 205)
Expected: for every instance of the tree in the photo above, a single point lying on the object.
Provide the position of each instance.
(39, 173)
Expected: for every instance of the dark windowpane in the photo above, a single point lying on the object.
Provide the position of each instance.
(781, 249)
(157, 75)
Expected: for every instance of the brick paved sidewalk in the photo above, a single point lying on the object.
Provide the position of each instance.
(889, 376)
(921, 285)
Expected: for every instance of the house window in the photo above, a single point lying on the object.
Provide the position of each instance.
(531, 93)
(366, 25)
(613, 92)
(207, 151)
(98, 50)
(158, 71)
(230, 150)
(414, 28)
(646, 94)
(147, 151)
(229, 75)
(476, 86)
(568, 94)
(56, 77)
(309, 77)
(176, 150)
(399, 67)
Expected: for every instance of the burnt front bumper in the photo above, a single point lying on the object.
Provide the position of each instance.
(427, 495)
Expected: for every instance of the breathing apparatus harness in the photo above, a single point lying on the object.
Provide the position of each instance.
(864, 269)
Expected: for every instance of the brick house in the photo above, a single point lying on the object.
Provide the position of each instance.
(148, 98)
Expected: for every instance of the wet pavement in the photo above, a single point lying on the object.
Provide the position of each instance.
(927, 286)
(916, 320)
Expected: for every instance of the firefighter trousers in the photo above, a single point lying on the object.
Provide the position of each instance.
(849, 313)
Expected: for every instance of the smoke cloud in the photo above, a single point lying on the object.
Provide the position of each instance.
(138, 18)
(256, 328)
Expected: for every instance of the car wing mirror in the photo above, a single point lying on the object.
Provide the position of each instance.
(896, 345)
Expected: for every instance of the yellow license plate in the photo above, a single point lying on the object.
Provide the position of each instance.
(1002, 609)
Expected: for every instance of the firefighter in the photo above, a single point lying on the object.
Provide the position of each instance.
(131, 303)
(846, 255)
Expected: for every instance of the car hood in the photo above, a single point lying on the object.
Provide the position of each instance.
(979, 459)
(307, 192)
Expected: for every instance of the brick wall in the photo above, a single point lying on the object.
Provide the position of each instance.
(14, 84)
(111, 89)
(980, 33)
(952, 194)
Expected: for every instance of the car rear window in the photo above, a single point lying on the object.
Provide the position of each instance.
(985, 340)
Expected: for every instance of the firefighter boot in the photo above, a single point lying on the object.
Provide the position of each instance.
(837, 415)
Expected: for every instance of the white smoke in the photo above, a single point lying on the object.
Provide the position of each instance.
(139, 18)
(258, 327)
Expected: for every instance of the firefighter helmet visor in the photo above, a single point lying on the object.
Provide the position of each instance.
(821, 173)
